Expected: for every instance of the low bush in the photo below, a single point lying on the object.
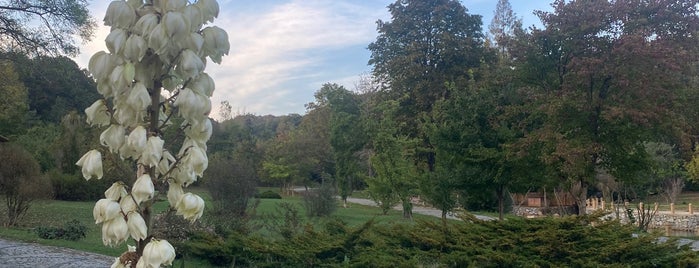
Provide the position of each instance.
(268, 195)
(546, 242)
(72, 230)
(72, 187)
(320, 202)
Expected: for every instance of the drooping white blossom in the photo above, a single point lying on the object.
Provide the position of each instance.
(101, 65)
(174, 193)
(143, 189)
(114, 231)
(153, 152)
(203, 85)
(157, 253)
(120, 14)
(209, 9)
(190, 65)
(145, 25)
(91, 164)
(98, 114)
(136, 48)
(190, 206)
(113, 137)
(116, 191)
(165, 162)
(137, 140)
(215, 43)
(105, 210)
(116, 40)
(128, 204)
(138, 97)
(137, 226)
(176, 25)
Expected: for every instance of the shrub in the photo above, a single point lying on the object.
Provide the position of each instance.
(320, 202)
(268, 195)
(21, 181)
(72, 230)
(72, 187)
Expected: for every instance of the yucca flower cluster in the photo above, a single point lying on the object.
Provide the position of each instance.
(153, 71)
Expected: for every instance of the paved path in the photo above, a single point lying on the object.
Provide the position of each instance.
(23, 255)
(416, 209)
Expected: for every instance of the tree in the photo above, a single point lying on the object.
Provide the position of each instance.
(14, 103)
(145, 85)
(424, 46)
(667, 169)
(346, 135)
(21, 181)
(56, 85)
(601, 77)
(504, 25)
(395, 174)
(44, 27)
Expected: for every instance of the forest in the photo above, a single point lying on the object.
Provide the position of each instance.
(600, 100)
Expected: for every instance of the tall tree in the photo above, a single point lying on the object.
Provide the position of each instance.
(425, 45)
(14, 103)
(346, 134)
(602, 78)
(44, 27)
(504, 25)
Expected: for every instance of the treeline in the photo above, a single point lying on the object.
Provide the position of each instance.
(601, 99)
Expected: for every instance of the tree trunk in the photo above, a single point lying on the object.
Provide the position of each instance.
(501, 202)
(407, 208)
(579, 192)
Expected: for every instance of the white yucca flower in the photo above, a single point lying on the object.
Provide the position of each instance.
(165, 162)
(116, 40)
(137, 140)
(113, 137)
(209, 9)
(195, 158)
(137, 226)
(157, 253)
(176, 25)
(174, 193)
(138, 99)
(105, 210)
(114, 231)
(91, 164)
(203, 85)
(194, 14)
(136, 48)
(200, 131)
(98, 114)
(158, 40)
(101, 65)
(143, 189)
(145, 25)
(128, 204)
(190, 206)
(116, 191)
(215, 43)
(190, 65)
(120, 14)
(183, 175)
(192, 106)
(153, 152)
(172, 5)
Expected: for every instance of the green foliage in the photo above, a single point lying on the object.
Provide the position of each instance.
(15, 101)
(320, 202)
(21, 181)
(269, 194)
(72, 187)
(544, 242)
(72, 230)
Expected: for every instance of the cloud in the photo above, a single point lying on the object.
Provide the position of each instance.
(278, 50)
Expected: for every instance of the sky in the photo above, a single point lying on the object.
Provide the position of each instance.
(283, 51)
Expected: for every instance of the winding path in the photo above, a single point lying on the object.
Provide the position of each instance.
(15, 254)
